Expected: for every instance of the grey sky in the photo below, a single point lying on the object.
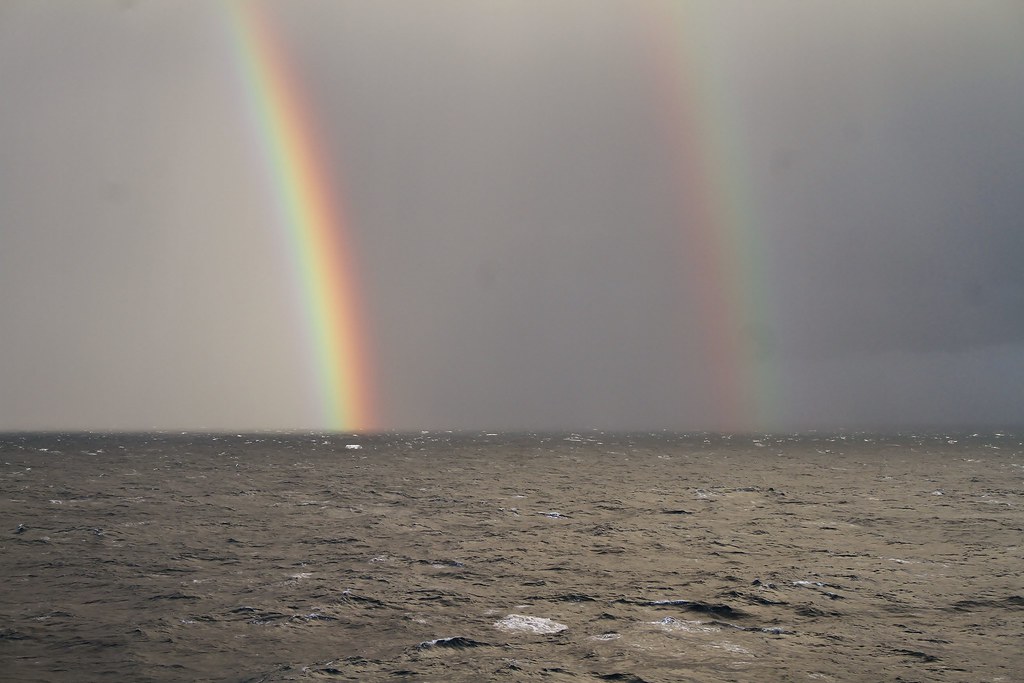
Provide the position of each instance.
(512, 197)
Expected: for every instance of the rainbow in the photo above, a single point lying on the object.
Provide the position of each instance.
(722, 254)
(311, 214)
(721, 244)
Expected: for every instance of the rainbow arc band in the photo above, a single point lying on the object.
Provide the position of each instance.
(311, 214)
(723, 254)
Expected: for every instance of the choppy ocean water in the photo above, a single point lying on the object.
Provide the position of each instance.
(478, 556)
(166, 443)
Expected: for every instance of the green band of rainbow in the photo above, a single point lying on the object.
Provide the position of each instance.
(312, 216)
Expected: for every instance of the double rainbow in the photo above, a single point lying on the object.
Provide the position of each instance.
(703, 125)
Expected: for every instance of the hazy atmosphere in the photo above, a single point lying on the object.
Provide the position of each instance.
(565, 215)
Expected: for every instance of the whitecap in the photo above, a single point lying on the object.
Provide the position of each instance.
(607, 636)
(672, 624)
(521, 622)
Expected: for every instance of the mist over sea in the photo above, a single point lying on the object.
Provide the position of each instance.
(472, 556)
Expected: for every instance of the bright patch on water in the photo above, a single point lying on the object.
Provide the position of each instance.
(521, 622)
(672, 624)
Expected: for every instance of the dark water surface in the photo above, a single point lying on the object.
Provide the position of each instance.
(584, 557)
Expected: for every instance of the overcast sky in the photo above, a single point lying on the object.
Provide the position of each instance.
(513, 194)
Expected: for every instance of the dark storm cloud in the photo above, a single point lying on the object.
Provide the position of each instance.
(890, 171)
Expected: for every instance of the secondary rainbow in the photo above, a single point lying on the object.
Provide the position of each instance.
(312, 218)
(722, 250)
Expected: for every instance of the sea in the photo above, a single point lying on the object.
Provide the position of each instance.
(468, 556)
